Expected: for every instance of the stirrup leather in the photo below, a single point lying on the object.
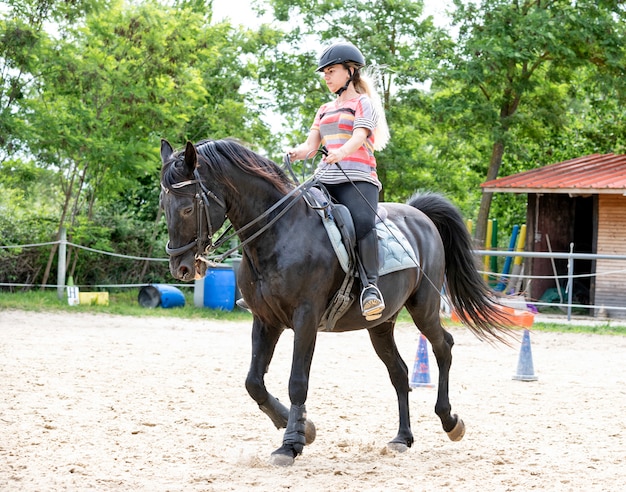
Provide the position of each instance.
(373, 307)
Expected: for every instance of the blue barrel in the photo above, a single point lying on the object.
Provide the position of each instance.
(162, 295)
(235, 263)
(219, 288)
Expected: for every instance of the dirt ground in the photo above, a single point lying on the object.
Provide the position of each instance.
(118, 403)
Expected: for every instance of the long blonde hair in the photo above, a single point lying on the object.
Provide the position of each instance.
(364, 83)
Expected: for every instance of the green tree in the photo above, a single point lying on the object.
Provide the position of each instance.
(104, 90)
(427, 154)
(110, 87)
(24, 43)
(394, 36)
(513, 56)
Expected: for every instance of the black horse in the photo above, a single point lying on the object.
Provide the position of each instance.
(289, 273)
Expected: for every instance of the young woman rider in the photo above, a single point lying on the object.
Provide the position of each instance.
(351, 128)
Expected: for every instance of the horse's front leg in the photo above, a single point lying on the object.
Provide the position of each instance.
(298, 427)
(264, 340)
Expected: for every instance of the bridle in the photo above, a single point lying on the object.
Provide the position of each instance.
(202, 205)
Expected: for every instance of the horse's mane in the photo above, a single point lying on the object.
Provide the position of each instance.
(219, 154)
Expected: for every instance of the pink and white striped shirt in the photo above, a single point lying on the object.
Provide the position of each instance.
(336, 123)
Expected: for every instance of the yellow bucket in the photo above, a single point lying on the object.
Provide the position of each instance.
(93, 298)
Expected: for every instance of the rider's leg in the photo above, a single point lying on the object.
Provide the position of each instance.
(372, 304)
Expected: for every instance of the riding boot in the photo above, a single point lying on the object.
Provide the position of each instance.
(372, 303)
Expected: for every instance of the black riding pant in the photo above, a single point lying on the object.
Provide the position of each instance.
(354, 195)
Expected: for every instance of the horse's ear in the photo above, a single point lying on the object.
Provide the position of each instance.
(166, 151)
(191, 157)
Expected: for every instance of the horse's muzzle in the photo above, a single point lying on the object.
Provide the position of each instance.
(187, 268)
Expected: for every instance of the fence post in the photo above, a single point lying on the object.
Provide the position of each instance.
(570, 281)
(486, 259)
(61, 264)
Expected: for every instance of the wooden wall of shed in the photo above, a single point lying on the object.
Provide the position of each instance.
(609, 289)
(550, 222)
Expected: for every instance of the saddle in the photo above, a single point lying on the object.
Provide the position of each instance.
(395, 251)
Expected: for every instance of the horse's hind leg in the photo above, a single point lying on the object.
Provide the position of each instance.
(429, 323)
(452, 424)
(385, 347)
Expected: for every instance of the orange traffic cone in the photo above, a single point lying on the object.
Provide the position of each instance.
(421, 370)
(525, 368)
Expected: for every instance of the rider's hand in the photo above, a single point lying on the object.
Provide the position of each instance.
(334, 156)
(295, 154)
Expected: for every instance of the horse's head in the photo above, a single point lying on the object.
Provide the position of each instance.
(193, 213)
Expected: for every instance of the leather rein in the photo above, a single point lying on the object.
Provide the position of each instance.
(203, 197)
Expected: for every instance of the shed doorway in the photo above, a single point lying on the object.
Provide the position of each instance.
(585, 235)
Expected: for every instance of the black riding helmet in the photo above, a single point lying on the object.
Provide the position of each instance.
(343, 53)
(340, 53)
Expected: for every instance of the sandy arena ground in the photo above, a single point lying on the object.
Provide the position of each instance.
(158, 404)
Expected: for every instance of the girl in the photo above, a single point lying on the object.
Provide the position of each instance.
(350, 128)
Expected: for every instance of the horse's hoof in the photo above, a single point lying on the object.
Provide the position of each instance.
(281, 460)
(309, 432)
(458, 432)
(398, 447)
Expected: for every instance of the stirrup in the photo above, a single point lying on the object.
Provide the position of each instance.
(372, 308)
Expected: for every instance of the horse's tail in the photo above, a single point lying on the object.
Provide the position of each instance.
(469, 294)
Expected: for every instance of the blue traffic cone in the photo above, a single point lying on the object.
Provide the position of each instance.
(421, 370)
(525, 369)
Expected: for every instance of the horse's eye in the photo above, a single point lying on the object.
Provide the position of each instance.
(188, 211)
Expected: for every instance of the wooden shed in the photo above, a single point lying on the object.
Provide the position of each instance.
(582, 202)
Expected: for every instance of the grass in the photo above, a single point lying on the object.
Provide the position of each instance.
(125, 303)
(605, 328)
(122, 302)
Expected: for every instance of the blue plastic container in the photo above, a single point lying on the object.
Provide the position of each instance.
(235, 263)
(219, 288)
(162, 295)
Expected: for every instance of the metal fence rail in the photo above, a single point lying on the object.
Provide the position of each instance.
(570, 257)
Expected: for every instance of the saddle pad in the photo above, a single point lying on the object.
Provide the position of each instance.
(394, 250)
(335, 239)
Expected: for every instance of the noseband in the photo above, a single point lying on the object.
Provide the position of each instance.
(202, 207)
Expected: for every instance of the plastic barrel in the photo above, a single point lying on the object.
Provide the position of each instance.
(219, 288)
(162, 295)
(235, 262)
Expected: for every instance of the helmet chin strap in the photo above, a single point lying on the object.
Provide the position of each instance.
(342, 89)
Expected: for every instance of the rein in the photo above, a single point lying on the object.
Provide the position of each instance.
(221, 240)
(202, 203)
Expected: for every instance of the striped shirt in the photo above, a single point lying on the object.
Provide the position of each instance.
(336, 124)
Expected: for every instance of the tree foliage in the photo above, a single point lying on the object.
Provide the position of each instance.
(102, 92)
(515, 56)
(88, 87)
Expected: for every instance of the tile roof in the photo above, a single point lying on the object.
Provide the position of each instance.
(591, 174)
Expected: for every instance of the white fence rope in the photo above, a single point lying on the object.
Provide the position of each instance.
(571, 257)
(109, 253)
